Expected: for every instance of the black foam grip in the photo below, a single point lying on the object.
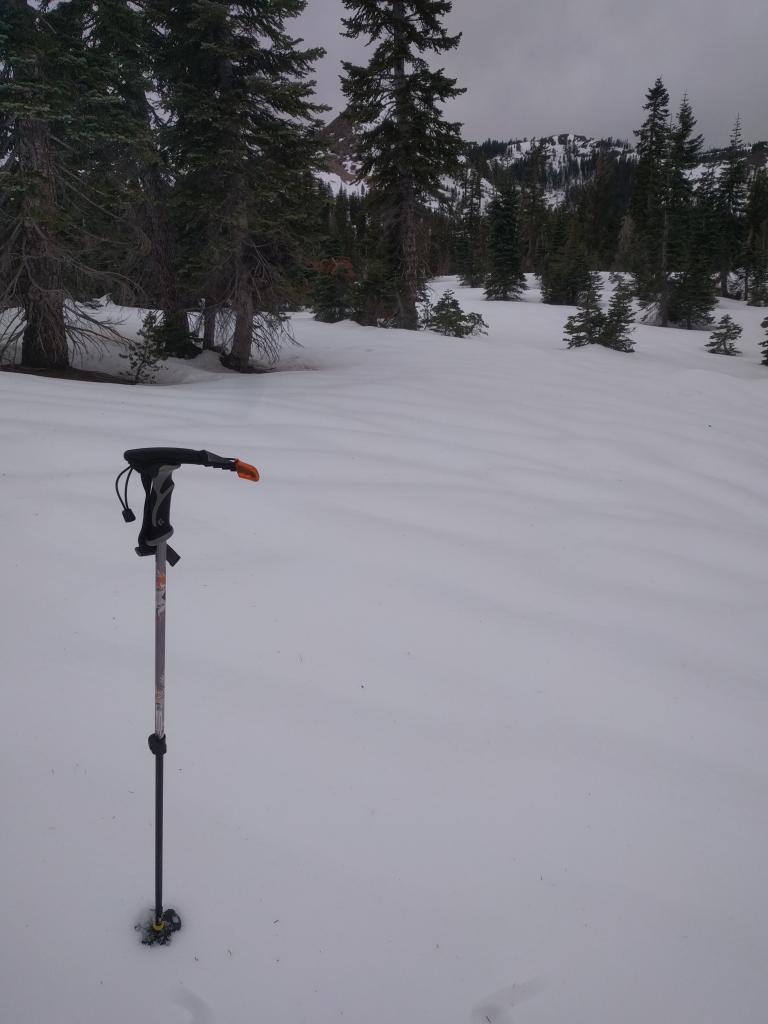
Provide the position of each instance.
(156, 522)
(147, 460)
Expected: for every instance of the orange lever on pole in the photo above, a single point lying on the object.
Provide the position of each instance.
(245, 471)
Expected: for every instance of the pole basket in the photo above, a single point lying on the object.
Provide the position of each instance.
(159, 933)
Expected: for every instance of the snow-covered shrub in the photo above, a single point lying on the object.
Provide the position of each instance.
(145, 355)
(724, 337)
(447, 317)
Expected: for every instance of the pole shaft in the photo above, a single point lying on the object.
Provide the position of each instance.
(158, 837)
(160, 569)
(160, 583)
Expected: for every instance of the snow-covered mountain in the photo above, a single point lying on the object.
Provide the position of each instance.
(343, 164)
(565, 155)
(568, 159)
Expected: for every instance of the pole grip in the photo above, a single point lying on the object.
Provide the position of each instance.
(156, 523)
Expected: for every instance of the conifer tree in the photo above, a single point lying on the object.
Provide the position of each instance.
(343, 230)
(732, 193)
(30, 99)
(506, 279)
(406, 145)
(725, 336)
(564, 267)
(533, 208)
(601, 207)
(441, 225)
(587, 325)
(242, 135)
(117, 44)
(626, 247)
(764, 343)
(685, 142)
(59, 110)
(129, 170)
(617, 330)
(373, 304)
(756, 244)
(692, 290)
(685, 148)
(692, 297)
(649, 195)
(448, 318)
(650, 204)
(333, 291)
(472, 237)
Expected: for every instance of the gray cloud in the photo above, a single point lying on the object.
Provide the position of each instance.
(548, 66)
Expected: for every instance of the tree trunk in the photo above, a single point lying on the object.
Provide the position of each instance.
(209, 325)
(724, 284)
(240, 357)
(44, 344)
(405, 216)
(664, 267)
(176, 324)
(164, 282)
(408, 292)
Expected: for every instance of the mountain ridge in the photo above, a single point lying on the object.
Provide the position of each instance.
(571, 158)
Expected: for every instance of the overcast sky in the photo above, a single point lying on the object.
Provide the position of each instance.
(541, 67)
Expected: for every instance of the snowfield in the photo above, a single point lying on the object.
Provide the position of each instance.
(466, 700)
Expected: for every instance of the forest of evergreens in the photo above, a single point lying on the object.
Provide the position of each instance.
(168, 154)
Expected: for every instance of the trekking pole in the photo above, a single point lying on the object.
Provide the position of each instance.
(156, 467)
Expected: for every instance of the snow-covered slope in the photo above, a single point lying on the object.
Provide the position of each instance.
(466, 699)
(570, 159)
(565, 154)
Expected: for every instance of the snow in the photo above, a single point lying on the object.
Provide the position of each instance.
(562, 150)
(337, 183)
(466, 699)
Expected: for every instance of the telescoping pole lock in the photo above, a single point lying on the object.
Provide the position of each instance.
(156, 467)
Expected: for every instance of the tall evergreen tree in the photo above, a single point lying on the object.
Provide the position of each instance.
(691, 225)
(32, 89)
(407, 145)
(130, 171)
(472, 234)
(684, 154)
(117, 43)
(506, 279)
(601, 205)
(442, 240)
(333, 291)
(587, 325)
(241, 135)
(733, 202)
(686, 145)
(564, 267)
(653, 145)
(372, 301)
(756, 241)
(692, 288)
(617, 326)
(58, 111)
(650, 204)
(533, 207)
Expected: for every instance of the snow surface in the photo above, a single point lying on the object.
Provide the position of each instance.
(338, 184)
(559, 153)
(466, 699)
